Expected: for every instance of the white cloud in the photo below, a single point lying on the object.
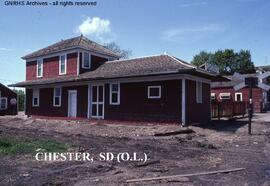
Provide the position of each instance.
(5, 49)
(184, 5)
(96, 27)
(189, 33)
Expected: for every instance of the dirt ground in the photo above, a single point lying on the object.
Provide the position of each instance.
(216, 146)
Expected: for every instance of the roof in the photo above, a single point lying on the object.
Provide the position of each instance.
(76, 42)
(263, 68)
(233, 81)
(8, 89)
(136, 67)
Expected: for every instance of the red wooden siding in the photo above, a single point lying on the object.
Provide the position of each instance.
(197, 112)
(257, 95)
(96, 61)
(46, 107)
(134, 104)
(51, 67)
(11, 109)
(31, 70)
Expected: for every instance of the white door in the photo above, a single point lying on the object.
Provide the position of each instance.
(72, 103)
(97, 101)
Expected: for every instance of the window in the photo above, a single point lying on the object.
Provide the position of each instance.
(39, 68)
(86, 60)
(35, 101)
(57, 97)
(225, 96)
(62, 64)
(199, 92)
(154, 92)
(213, 96)
(3, 103)
(238, 96)
(114, 93)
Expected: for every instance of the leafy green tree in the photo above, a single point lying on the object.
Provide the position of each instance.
(227, 60)
(21, 96)
(201, 58)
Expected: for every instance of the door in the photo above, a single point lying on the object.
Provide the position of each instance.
(72, 103)
(97, 100)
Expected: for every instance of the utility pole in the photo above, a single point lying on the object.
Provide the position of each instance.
(250, 108)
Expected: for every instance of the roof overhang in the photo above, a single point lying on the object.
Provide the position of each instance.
(177, 74)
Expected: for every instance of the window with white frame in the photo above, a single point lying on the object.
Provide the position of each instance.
(57, 97)
(154, 92)
(3, 103)
(62, 64)
(238, 96)
(225, 96)
(35, 101)
(39, 68)
(115, 93)
(86, 60)
(213, 96)
(199, 91)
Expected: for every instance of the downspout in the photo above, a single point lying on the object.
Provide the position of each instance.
(183, 118)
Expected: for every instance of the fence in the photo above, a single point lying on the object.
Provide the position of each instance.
(228, 109)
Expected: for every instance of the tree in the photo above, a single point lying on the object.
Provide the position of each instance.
(201, 58)
(124, 54)
(21, 96)
(227, 60)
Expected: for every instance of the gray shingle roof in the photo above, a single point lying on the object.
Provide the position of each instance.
(76, 42)
(233, 81)
(144, 66)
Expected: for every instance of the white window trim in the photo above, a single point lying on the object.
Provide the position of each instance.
(5, 104)
(238, 93)
(118, 94)
(60, 73)
(220, 96)
(33, 98)
(41, 75)
(213, 95)
(60, 97)
(198, 98)
(83, 60)
(154, 97)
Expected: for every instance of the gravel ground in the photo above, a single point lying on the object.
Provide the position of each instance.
(217, 146)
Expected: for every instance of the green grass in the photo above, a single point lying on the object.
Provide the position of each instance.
(12, 146)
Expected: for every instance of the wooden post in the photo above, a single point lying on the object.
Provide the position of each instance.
(218, 106)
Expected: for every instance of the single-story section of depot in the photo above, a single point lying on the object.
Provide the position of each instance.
(159, 88)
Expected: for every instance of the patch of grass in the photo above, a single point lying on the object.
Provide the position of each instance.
(12, 146)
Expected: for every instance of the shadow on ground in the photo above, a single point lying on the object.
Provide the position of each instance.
(224, 125)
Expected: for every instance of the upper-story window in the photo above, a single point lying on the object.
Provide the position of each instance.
(62, 64)
(86, 60)
(39, 68)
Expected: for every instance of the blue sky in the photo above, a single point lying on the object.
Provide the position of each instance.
(182, 28)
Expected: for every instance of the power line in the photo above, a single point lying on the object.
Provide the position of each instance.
(8, 80)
